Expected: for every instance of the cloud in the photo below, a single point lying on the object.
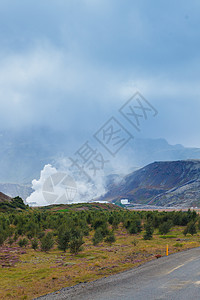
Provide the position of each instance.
(73, 75)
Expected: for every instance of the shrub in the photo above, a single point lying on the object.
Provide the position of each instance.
(63, 240)
(148, 235)
(103, 229)
(132, 229)
(23, 242)
(191, 228)
(2, 239)
(110, 238)
(99, 222)
(76, 240)
(178, 245)
(34, 244)
(41, 235)
(98, 237)
(165, 227)
(75, 244)
(47, 242)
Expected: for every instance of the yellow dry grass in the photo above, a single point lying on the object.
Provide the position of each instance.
(40, 273)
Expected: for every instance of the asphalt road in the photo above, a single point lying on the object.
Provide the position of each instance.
(176, 277)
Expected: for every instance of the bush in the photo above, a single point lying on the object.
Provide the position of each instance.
(2, 239)
(23, 242)
(110, 238)
(99, 223)
(133, 226)
(148, 235)
(165, 227)
(75, 244)
(98, 237)
(63, 240)
(34, 244)
(132, 229)
(76, 240)
(47, 242)
(178, 245)
(103, 229)
(191, 228)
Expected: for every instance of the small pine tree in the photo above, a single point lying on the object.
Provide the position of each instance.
(165, 227)
(63, 240)
(148, 235)
(185, 232)
(47, 242)
(132, 228)
(34, 244)
(110, 238)
(76, 240)
(98, 237)
(192, 228)
(75, 244)
(23, 242)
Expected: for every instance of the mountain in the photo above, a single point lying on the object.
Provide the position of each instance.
(4, 198)
(170, 183)
(24, 153)
(14, 190)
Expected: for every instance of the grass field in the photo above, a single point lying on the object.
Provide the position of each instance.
(37, 273)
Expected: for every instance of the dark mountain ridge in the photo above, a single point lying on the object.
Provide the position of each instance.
(171, 183)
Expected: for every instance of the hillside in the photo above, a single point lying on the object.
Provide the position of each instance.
(174, 183)
(93, 206)
(4, 198)
(8, 204)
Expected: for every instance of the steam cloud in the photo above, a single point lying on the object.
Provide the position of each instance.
(86, 191)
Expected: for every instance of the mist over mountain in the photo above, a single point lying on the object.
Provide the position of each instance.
(24, 153)
(14, 190)
(169, 183)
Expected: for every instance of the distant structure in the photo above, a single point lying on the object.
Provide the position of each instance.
(125, 201)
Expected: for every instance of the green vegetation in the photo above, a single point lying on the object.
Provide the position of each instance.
(47, 242)
(148, 235)
(16, 203)
(53, 248)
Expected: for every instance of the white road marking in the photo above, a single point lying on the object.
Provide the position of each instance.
(175, 269)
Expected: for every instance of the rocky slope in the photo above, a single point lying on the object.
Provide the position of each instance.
(4, 198)
(171, 183)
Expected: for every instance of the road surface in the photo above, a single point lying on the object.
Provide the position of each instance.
(176, 277)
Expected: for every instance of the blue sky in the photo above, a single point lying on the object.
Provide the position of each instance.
(70, 65)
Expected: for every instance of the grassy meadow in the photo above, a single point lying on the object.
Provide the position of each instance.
(27, 273)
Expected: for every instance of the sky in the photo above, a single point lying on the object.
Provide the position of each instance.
(70, 65)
